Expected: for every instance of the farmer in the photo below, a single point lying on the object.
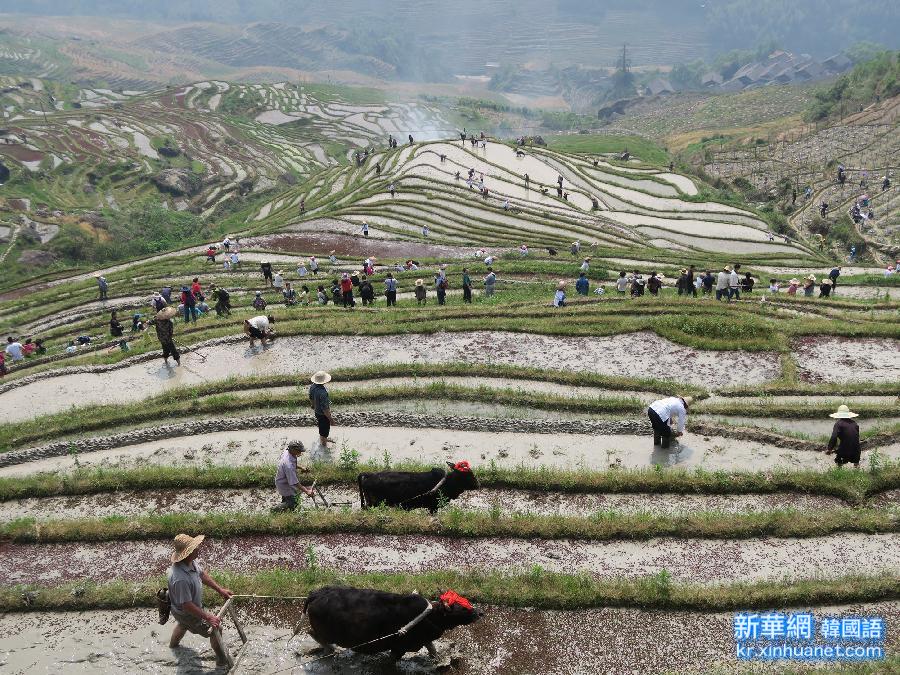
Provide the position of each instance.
(102, 286)
(259, 327)
(833, 275)
(223, 300)
(722, 282)
(165, 333)
(115, 326)
(844, 437)
(662, 413)
(186, 581)
(278, 282)
(825, 288)
(390, 289)
(314, 266)
(734, 284)
(490, 283)
(266, 268)
(286, 481)
(366, 292)
(290, 295)
(321, 405)
(809, 286)
(559, 299)
(347, 291)
(188, 302)
(441, 285)
(14, 349)
(466, 286)
(420, 292)
(582, 285)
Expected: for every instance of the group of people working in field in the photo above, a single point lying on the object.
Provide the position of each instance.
(668, 419)
(727, 285)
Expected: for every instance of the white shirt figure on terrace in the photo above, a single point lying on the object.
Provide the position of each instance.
(722, 280)
(667, 407)
(260, 323)
(14, 349)
(734, 281)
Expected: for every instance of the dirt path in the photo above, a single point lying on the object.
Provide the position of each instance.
(504, 641)
(689, 560)
(508, 449)
(256, 500)
(304, 354)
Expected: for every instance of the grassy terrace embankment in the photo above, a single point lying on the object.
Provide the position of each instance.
(458, 523)
(539, 589)
(854, 487)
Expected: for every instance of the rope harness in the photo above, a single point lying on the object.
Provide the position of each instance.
(425, 494)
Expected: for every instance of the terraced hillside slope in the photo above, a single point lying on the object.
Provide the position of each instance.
(582, 531)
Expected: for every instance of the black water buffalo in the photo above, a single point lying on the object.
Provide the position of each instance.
(367, 621)
(415, 490)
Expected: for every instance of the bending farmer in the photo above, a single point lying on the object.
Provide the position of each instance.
(662, 414)
(186, 581)
(259, 328)
(286, 481)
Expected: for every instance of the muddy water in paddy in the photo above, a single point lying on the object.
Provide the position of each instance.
(255, 500)
(303, 354)
(506, 449)
(811, 427)
(846, 359)
(504, 641)
(689, 560)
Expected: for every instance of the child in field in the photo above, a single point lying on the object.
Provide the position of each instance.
(259, 302)
(774, 286)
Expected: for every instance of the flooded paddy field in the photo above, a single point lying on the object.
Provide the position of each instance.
(258, 500)
(505, 641)
(398, 444)
(703, 561)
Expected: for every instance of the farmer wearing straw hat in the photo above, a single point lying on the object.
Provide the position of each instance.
(321, 405)
(420, 292)
(186, 581)
(165, 333)
(844, 437)
(559, 299)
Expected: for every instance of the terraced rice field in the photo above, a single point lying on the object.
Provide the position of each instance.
(589, 548)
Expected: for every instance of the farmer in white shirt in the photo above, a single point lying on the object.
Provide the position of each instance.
(14, 349)
(734, 284)
(723, 281)
(662, 413)
(258, 328)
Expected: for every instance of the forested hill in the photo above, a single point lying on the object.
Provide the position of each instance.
(820, 27)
